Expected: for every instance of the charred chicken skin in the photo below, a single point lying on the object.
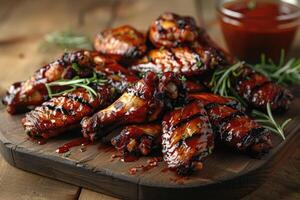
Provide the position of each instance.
(233, 127)
(171, 30)
(138, 139)
(33, 92)
(141, 103)
(121, 42)
(187, 138)
(65, 112)
(258, 90)
(180, 60)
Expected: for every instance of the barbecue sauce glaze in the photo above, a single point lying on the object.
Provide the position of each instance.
(260, 27)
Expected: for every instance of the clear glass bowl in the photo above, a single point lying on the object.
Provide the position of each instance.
(249, 35)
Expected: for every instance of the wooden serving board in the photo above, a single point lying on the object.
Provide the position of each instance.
(226, 174)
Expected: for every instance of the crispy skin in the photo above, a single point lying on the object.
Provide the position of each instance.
(138, 139)
(32, 92)
(141, 103)
(258, 90)
(119, 77)
(187, 138)
(137, 105)
(233, 127)
(63, 113)
(181, 60)
(121, 42)
(171, 30)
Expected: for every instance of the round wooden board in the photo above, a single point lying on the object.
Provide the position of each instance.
(226, 174)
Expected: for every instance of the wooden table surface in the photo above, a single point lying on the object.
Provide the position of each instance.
(23, 25)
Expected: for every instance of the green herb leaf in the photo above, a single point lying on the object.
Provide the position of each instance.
(221, 79)
(251, 5)
(182, 78)
(267, 120)
(68, 40)
(199, 64)
(285, 73)
(75, 83)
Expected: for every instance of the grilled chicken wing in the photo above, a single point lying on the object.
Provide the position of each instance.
(187, 138)
(63, 113)
(119, 77)
(32, 92)
(121, 42)
(233, 127)
(138, 139)
(171, 30)
(181, 60)
(143, 102)
(258, 90)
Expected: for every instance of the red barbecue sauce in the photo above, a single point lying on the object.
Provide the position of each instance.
(77, 142)
(258, 27)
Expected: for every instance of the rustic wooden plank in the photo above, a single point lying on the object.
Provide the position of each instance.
(94, 169)
(89, 22)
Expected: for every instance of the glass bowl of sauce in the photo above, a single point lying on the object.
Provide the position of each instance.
(255, 27)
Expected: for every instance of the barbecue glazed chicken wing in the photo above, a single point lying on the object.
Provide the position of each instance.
(65, 112)
(141, 139)
(123, 42)
(141, 103)
(187, 138)
(233, 127)
(171, 30)
(258, 90)
(181, 60)
(32, 92)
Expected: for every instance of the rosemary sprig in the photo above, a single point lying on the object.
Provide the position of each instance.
(221, 79)
(285, 73)
(267, 120)
(251, 5)
(75, 83)
(68, 40)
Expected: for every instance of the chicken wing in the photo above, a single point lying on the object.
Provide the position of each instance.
(233, 127)
(258, 90)
(171, 30)
(32, 92)
(181, 60)
(123, 42)
(138, 139)
(187, 138)
(143, 102)
(65, 112)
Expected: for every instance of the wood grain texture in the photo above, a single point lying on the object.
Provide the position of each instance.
(224, 171)
(20, 54)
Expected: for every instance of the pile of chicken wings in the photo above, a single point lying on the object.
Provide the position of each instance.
(156, 91)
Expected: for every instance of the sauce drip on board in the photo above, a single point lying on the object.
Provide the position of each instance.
(258, 27)
(151, 163)
(77, 142)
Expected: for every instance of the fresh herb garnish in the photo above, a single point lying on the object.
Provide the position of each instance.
(268, 121)
(75, 67)
(221, 79)
(75, 83)
(285, 73)
(68, 40)
(199, 64)
(182, 78)
(251, 5)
